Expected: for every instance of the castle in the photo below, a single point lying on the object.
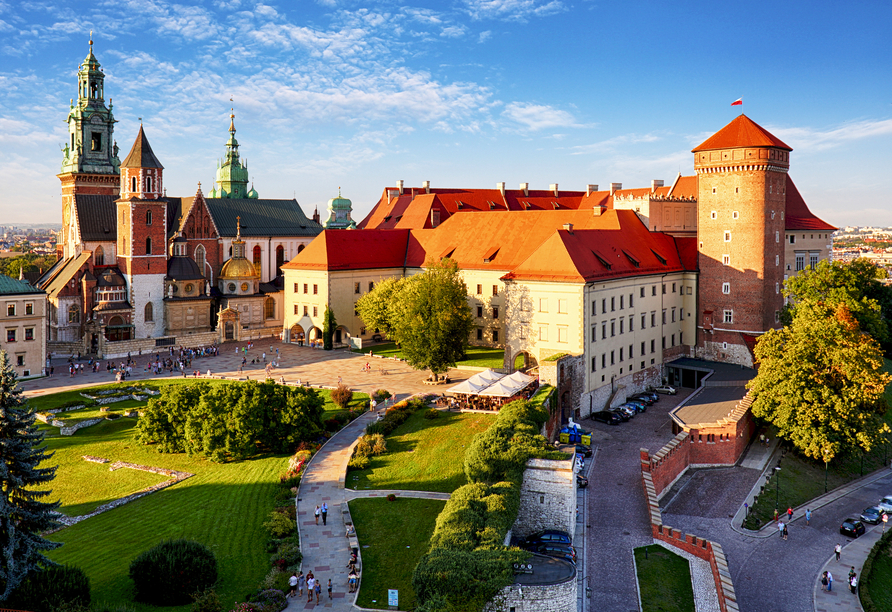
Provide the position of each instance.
(139, 269)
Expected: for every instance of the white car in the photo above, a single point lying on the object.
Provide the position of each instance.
(886, 503)
(666, 389)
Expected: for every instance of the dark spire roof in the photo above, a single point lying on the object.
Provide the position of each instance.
(141, 155)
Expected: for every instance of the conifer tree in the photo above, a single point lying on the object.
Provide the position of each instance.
(23, 517)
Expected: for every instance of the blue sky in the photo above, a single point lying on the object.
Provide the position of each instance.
(468, 93)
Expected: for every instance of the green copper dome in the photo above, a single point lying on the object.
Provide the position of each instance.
(339, 213)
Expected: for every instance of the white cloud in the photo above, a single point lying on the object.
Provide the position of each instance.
(538, 116)
(612, 143)
(453, 32)
(806, 138)
(484, 36)
(512, 10)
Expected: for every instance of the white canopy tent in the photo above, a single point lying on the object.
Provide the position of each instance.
(467, 387)
(486, 378)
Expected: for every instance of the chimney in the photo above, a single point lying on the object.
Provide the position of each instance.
(554, 189)
(614, 187)
(501, 188)
(654, 184)
(399, 185)
(427, 186)
(599, 210)
(590, 189)
(525, 188)
(568, 227)
(435, 217)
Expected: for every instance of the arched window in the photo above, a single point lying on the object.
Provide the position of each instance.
(148, 246)
(280, 259)
(150, 313)
(269, 308)
(148, 215)
(258, 264)
(133, 184)
(149, 188)
(300, 248)
(200, 258)
(74, 314)
(99, 257)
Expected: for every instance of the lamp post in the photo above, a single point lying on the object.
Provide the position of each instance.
(777, 488)
(826, 459)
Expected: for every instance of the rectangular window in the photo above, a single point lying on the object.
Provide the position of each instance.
(371, 285)
(673, 339)
(295, 309)
(495, 335)
(356, 288)
(594, 333)
(10, 310)
(594, 364)
(29, 333)
(792, 239)
(664, 343)
(495, 290)
(543, 304)
(594, 307)
(562, 306)
(642, 348)
(642, 292)
(613, 328)
(295, 288)
(652, 346)
(630, 352)
(653, 319)
(306, 286)
(96, 141)
(306, 310)
(315, 311)
(479, 312)
(29, 306)
(729, 316)
(800, 261)
(776, 236)
(726, 288)
(563, 333)
(612, 304)
(612, 357)
(631, 323)
(726, 260)
(620, 354)
(673, 287)
(653, 290)
(543, 333)
(495, 312)
(664, 316)
(10, 335)
(315, 289)
(681, 337)
(603, 330)
(603, 305)
(673, 315)
(621, 325)
(643, 321)
(664, 288)
(812, 263)
(479, 289)
(621, 301)
(479, 334)
(603, 360)
(727, 236)
(20, 360)
(631, 303)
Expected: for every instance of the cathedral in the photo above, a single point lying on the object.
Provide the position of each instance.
(140, 269)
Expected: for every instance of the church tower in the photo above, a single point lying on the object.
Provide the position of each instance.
(742, 178)
(232, 172)
(142, 236)
(90, 163)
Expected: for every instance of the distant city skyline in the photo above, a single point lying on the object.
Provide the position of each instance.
(335, 94)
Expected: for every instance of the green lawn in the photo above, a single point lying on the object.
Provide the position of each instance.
(664, 580)
(393, 536)
(423, 454)
(476, 356)
(879, 584)
(222, 506)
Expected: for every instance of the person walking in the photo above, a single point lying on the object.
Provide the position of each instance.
(324, 513)
(852, 573)
(807, 517)
(784, 532)
(311, 584)
(824, 581)
(789, 514)
(780, 528)
(329, 588)
(838, 551)
(318, 591)
(853, 584)
(829, 581)
(301, 581)
(292, 582)
(317, 511)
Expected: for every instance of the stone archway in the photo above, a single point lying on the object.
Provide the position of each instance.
(523, 361)
(296, 334)
(341, 335)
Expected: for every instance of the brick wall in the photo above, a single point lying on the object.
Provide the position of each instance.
(669, 463)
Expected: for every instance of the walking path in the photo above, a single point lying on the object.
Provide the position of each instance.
(841, 599)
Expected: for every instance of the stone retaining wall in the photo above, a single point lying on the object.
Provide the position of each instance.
(68, 430)
(536, 598)
(547, 497)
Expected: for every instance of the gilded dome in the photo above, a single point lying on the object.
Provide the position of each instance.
(239, 268)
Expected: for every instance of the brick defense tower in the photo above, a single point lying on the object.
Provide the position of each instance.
(142, 236)
(90, 163)
(742, 176)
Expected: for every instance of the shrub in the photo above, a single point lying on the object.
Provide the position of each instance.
(288, 510)
(332, 425)
(279, 525)
(111, 416)
(271, 600)
(171, 572)
(371, 445)
(359, 462)
(433, 413)
(391, 497)
(53, 588)
(206, 601)
(380, 395)
(289, 551)
(342, 396)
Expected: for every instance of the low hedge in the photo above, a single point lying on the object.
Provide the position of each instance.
(881, 547)
(171, 572)
(52, 589)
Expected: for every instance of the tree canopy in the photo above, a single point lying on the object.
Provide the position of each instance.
(426, 314)
(23, 517)
(821, 380)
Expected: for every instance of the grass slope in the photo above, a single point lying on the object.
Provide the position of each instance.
(424, 454)
(879, 585)
(664, 580)
(394, 536)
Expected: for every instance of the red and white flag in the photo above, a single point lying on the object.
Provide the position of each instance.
(737, 102)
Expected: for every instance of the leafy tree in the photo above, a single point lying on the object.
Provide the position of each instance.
(23, 517)
(374, 307)
(821, 382)
(856, 284)
(426, 314)
(329, 325)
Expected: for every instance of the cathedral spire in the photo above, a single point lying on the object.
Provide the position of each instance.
(232, 171)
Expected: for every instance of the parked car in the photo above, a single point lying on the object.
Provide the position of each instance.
(627, 409)
(377, 338)
(549, 536)
(582, 449)
(554, 549)
(606, 416)
(654, 397)
(622, 414)
(852, 528)
(886, 503)
(636, 406)
(647, 398)
(872, 515)
(666, 389)
(581, 481)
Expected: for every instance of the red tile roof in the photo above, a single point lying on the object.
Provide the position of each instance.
(798, 216)
(741, 132)
(353, 250)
